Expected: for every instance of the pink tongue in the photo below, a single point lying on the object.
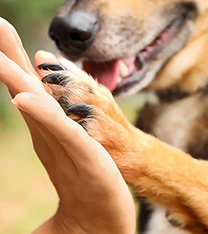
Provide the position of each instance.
(105, 73)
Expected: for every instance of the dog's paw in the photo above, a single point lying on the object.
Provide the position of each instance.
(88, 103)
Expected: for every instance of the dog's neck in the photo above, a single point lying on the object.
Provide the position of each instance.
(172, 94)
(175, 93)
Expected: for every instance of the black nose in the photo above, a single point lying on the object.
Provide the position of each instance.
(76, 30)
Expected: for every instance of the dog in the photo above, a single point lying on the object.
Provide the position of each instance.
(128, 46)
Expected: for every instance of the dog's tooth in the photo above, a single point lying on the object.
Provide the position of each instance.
(119, 80)
(124, 70)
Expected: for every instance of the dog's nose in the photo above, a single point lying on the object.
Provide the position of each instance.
(76, 30)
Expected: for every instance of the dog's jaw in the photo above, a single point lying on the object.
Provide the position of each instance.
(146, 63)
(129, 75)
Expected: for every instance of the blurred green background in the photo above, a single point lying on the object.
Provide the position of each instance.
(27, 197)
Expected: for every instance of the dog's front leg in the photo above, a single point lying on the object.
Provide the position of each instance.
(163, 174)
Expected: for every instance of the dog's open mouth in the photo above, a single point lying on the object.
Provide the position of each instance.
(119, 74)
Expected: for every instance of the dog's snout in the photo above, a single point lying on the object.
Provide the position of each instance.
(76, 30)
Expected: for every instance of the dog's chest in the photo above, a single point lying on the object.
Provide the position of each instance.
(182, 124)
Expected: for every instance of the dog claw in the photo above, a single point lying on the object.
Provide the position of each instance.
(51, 66)
(54, 78)
(174, 220)
(81, 109)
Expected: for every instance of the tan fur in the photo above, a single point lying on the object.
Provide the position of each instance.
(188, 69)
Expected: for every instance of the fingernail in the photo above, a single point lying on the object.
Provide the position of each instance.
(14, 102)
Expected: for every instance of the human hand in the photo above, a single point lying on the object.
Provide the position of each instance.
(93, 195)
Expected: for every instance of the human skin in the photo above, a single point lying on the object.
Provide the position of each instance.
(94, 198)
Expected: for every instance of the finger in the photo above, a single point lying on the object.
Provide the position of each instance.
(42, 57)
(11, 46)
(58, 158)
(40, 146)
(80, 147)
(16, 79)
(28, 67)
(52, 155)
(19, 81)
